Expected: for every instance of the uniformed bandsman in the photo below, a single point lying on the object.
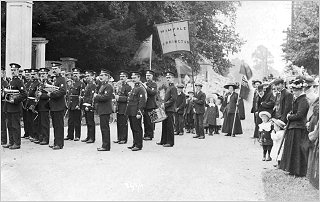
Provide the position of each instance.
(4, 84)
(32, 118)
(103, 100)
(180, 106)
(57, 105)
(88, 107)
(122, 90)
(27, 82)
(199, 101)
(43, 108)
(13, 109)
(75, 99)
(167, 136)
(151, 88)
(136, 105)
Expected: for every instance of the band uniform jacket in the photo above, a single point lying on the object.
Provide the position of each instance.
(16, 84)
(31, 92)
(151, 95)
(123, 98)
(286, 99)
(88, 93)
(4, 84)
(27, 84)
(136, 100)
(75, 93)
(298, 117)
(199, 104)
(43, 104)
(170, 98)
(103, 99)
(57, 100)
(181, 103)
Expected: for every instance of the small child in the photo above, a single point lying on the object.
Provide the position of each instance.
(211, 115)
(219, 119)
(277, 135)
(265, 129)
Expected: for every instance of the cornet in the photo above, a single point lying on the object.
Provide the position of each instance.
(10, 95)
(50, 88)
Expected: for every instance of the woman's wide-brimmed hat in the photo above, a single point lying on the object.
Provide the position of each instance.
(278, 122)
(235, 86)
(265, 113)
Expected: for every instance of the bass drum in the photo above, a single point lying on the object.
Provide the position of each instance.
(157, 115)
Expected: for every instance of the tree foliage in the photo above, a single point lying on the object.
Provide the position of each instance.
(302, 45)
(106, 34)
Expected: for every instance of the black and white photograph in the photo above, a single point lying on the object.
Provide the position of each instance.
(159, 100)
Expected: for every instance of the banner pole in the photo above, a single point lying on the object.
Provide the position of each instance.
(150, 52)
(235, 114)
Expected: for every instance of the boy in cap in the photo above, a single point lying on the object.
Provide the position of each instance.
(199, 101)
(180, 105)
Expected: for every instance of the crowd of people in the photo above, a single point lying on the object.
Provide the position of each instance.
(285, 113)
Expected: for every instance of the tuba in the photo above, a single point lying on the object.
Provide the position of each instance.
(10, 95)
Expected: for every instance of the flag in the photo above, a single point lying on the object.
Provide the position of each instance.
(144, 51)
(182, 67)
(244, 89)
(246, 70)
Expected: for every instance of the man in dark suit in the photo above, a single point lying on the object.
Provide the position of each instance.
(57, 105)
(122, 90)
(199, 101)
(189, 113)
(75, 97)
(169, 105)
(135, 110)
(151, 88)
(283, 99)
(88, 107)
(103, 100)
(26, 126)
(180, 105)
(13, 108)
(4, 84)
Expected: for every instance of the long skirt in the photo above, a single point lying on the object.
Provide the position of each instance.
(228, 123)
(313, 168)
(295, 158)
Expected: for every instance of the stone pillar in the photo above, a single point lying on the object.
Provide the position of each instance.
(68, 63)
(18, 34)
(40, 52)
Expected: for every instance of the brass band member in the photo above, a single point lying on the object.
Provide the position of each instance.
(151, 88)
(27, 82)
(103, 102)
(13, 109)
(57, 105)
(43, 108)
(136, 104)
(199, 101)
(122, 92)
(88, 108)
(32, 121)
(74, 119)
(180, 106)
(4, 84)
(167, 136)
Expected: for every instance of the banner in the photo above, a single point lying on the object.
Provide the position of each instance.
(174, 36)
(244, 89)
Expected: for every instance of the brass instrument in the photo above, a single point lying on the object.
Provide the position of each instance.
(10, 95)
(50, 88)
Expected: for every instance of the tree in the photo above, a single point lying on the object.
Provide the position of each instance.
(302, 44)
(263, 60)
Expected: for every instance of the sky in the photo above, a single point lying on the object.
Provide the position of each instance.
(263, 23)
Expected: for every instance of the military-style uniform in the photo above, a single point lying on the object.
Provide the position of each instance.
(13, 113)
(88, 93)
(104, 108)
(122, 118)
(57, 105)
(150, 106)
(26, 126)
(74, 120)
(4, 84)
(32, 120)
(167, 135)
(136, 104)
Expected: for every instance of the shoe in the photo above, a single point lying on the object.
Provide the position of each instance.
(7, 146)
(51, 146)
(2, 143)
(201, 137)
(26, 137)
(197, 136)
(122, 142)
(90, 141)
(56, 147)
(14, 146)
(180, 134)
(147, 138)
(167, 145)
(264, 159)
(228, 134)
(44, 143)
(36, 141)
(116, 141)
(188, 131)
(269, 159)
(130, 147)
(31, 139)
(159, 143)
(76, 139)
(102, 149)
(135, 149)
(85, 140)
(67, 138)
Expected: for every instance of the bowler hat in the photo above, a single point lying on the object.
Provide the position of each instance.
(278, 81)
